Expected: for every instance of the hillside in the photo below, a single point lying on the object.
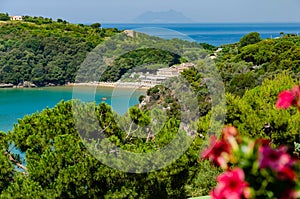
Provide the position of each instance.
(47, 52)
(244, 67)
(44, 51)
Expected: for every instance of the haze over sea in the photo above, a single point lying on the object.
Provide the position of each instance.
(16, 103)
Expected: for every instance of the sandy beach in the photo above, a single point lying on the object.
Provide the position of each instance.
(136, 85)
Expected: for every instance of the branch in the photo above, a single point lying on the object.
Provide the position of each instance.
(15, 162)
(131, 132)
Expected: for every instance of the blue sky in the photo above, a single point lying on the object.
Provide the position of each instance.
(112, 11)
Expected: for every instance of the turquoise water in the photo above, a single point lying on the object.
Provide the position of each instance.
(18, 102)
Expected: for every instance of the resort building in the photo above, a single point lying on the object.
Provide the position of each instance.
(162, 74)
(16, 18)
(184, 66)
(152, 80)
(167, 72)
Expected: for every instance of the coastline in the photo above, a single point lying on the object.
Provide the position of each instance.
(136, 85)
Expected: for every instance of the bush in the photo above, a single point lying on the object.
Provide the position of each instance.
(4, 17)
(250, 38)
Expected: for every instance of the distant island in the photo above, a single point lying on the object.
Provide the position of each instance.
(170, 16)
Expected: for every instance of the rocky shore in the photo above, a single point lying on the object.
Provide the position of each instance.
(25, 84)
(6, 85)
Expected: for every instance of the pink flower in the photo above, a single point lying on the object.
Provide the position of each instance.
(285, 99)
(231, 185)
(229, 132)
(217, 152)
(296, 91)
(276, 159)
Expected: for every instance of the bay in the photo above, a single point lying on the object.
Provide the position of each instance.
(15, 103)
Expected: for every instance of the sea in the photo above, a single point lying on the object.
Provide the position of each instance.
(211, 33)
(15, 103)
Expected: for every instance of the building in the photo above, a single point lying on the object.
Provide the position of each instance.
(129, 33)
(167, 72)
(162, 74)
(219, 50)
(213, 56)
(152, 80)
(184, 66)
(16, 18)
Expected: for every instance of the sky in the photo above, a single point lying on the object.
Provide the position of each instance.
(125, 11)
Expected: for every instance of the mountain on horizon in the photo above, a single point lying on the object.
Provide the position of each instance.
(170, 16)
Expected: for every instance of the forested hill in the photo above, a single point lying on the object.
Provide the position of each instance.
(44, 51)
(246, 64)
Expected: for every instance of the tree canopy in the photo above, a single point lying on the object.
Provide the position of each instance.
(43, 51)
(4, 17)
(250, 38)
(60, 166)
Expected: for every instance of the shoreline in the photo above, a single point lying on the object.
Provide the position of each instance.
(131, 85)
(136, 85)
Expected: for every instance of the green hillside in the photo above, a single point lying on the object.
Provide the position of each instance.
(44, 51)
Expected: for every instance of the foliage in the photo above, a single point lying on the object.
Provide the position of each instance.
(38, 20)
(42, 51)
(60, 166)
(4, 17)
(137, 58)
(255, 115)
(243, 68)
(96, 25)
(7, 170)
(208, 46)
(250, 38)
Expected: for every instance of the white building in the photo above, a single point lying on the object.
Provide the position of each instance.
(167, 72)
(152, 80)
(16, 18)
(184, 66)
(163, 74)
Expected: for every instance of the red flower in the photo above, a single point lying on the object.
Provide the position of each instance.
(262, 142)
(217, 152)
(285, 99)
(287, 173)
(276, 159)
(231, 185)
